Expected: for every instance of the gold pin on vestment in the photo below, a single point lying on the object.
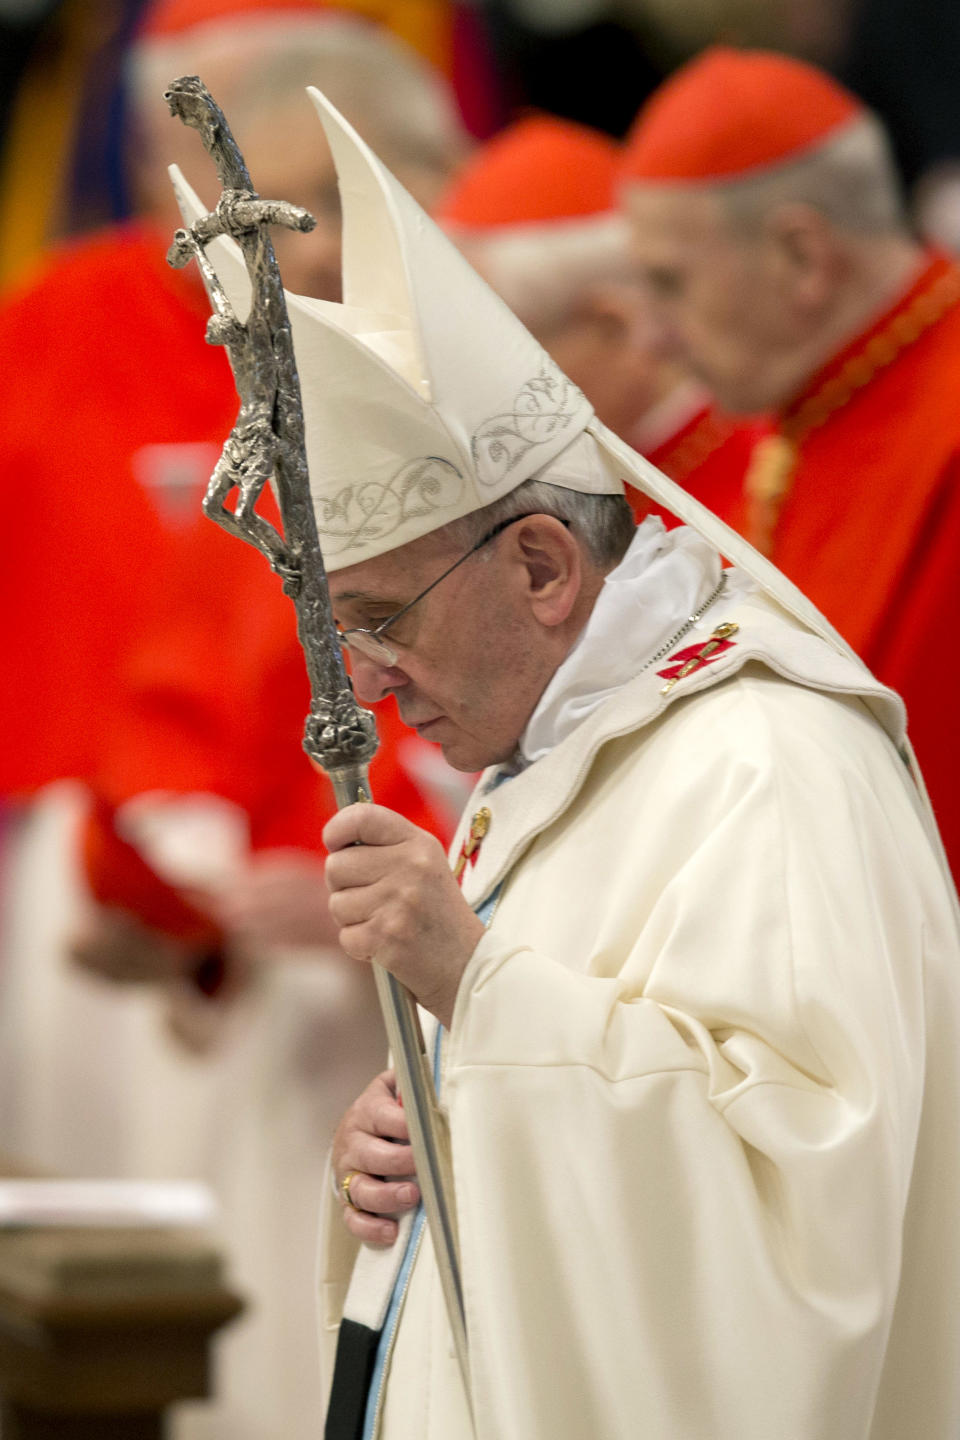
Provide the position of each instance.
(479, 825)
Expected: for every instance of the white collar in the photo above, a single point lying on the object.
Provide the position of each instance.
(663, 579)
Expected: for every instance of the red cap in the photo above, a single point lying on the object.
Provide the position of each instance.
(538, 169)
(164, 18)
(730, 112)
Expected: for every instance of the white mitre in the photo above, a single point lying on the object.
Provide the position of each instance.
(424, 396)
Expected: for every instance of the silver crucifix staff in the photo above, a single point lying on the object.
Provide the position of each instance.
(268, 441)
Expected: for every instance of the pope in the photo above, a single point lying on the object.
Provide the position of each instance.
(691, 985)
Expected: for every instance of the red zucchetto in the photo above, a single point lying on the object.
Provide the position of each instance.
(539, 169)
(172, 17)
(731, 112)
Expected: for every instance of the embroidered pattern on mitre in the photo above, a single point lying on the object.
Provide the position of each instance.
(543, 408)
(505, 402)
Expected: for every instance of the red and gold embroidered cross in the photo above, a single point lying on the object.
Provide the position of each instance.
(694, 657)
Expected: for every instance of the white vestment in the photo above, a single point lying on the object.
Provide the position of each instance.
(702, 1078)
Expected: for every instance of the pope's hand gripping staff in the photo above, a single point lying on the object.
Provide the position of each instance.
(267, 441)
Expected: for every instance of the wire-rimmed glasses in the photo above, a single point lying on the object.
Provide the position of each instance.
(369, 643)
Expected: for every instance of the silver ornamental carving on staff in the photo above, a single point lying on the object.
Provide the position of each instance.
(267, 441)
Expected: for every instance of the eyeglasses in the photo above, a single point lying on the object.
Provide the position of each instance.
(369, 643)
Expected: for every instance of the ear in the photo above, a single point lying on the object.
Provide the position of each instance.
(805, 255)
(549, 567)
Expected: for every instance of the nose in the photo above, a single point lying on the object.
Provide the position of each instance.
(373, 682)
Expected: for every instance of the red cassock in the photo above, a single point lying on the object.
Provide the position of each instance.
(102, 369)
(149, 650)
(867, 520)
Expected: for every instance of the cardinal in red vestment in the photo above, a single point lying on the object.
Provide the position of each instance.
(767, 222)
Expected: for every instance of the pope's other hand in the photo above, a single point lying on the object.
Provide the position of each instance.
(396, 902)
(371, 1152)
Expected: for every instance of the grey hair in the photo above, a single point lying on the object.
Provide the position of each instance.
(851, 179)
(603, 523)
(401, 104)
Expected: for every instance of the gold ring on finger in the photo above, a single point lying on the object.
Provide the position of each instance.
(345, 1189)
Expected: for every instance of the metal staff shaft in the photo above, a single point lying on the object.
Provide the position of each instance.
(267, 441)
(429, 1133)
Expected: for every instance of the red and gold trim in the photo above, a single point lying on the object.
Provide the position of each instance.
(695, 446)
(773, 463)
(470, 849)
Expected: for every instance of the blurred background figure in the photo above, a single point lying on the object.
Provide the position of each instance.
(768, 223)
(65, 105)
(593, 61)
(113, 296)
(535, 212)
(170, 999)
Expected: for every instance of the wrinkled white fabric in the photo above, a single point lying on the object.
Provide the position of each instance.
(663, 579)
